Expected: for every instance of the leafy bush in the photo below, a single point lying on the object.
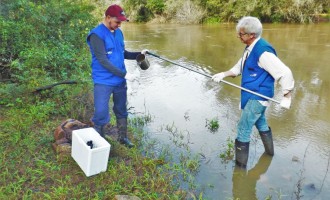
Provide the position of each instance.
(172, 7)
(156, 6)
(303, 11)
(226, 11)
(137, 10)
(44, 39)
(190, 13)
(268, 11)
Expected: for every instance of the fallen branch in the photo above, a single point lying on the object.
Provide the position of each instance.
(53, 85)
(7, 80)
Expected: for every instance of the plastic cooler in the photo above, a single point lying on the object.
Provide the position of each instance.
(91, 161)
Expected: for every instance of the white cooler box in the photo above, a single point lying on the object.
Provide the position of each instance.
(91, 161)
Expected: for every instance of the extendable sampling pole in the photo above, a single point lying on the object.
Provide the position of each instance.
(209, 76)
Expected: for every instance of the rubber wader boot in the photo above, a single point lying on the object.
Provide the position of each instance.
(100, 129)
(241, 153)
(267, 140)
(122, 133)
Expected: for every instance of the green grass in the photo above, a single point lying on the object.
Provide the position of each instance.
(30, 169)
(229, 151)
(212, 124)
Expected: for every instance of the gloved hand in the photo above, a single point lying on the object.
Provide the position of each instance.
(286, 102)
(131, 77)
(218, 77)
(144, 51)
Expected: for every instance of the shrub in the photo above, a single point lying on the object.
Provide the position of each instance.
(55, 45)
(156, 6)
(190, 13)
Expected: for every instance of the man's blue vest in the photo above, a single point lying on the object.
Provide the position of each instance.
(256, 78)
(114, 48)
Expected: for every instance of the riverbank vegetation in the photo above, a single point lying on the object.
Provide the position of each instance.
(42, 43)
(215, 11)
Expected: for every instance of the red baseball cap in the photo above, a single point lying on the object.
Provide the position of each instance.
(116, 11)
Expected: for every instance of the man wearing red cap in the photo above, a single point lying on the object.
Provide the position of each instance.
(106, 42)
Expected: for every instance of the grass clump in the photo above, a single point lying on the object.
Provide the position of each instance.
(229, 152)
(212, 124)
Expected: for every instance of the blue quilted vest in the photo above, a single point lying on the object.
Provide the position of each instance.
(114, 47)
(254, 77)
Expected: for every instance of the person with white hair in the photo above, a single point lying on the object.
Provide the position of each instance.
(260, 68)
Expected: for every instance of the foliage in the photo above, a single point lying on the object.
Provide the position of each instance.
(31, 170)
(53, 49)
(212, 125)
(44, 42)
(172, 7)
(196, 11)
(137, 10)
(303, 11)
(270, 10)
(190, 13)
(156, 6)
(229, 152)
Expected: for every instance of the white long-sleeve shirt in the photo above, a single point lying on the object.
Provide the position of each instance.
(273, 65)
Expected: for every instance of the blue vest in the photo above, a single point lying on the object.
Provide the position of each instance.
(114, 47)
(254, 77)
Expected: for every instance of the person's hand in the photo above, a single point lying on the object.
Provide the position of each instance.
(144, 51)
(131, 77)
(286, 102)
(218, 77)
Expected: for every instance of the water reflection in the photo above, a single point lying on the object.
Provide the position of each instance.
(172, 94)
(245, 182)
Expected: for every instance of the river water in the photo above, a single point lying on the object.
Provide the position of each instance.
(175, 96)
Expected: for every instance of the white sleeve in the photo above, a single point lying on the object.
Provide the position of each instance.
(237, 68)
(278, 70)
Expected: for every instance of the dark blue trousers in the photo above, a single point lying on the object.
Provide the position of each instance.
(102, 94)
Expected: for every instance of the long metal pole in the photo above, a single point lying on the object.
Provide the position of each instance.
(209, 76)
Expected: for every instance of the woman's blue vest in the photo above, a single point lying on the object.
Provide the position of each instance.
(256, 78)
(114, 48)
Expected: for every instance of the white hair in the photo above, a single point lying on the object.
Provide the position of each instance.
(250, 25)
